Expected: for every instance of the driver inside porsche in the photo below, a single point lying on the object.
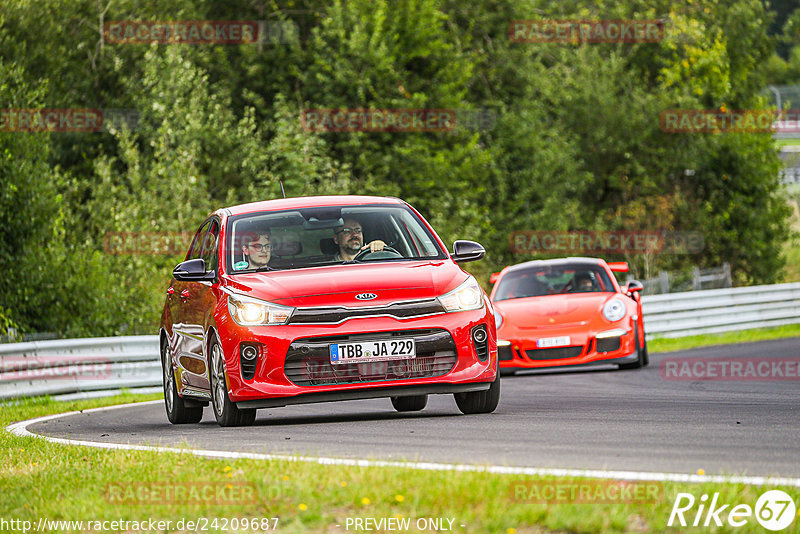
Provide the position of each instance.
(350, 239)
(583, 283)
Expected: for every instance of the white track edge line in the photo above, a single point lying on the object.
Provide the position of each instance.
(21, 429)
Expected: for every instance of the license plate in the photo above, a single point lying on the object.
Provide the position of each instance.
(373, 351)
(552, 342)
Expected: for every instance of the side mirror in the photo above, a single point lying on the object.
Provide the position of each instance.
(464, 251)
(632, 286)
(493, 277)
(193, 271)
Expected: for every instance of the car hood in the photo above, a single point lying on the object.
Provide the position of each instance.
(552, 310)
(337, 285)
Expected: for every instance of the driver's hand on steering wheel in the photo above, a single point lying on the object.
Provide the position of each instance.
(375, 246)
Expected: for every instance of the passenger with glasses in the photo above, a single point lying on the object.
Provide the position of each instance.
(350, 238)
(256, 249)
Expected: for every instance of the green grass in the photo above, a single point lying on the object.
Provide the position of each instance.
(42, 479)
(727, 338)
(787, 142)
(791, 249)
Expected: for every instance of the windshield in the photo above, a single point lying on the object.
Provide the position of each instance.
(553, 280)
(310, 237)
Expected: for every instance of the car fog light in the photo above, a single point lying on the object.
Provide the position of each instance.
(479, 335)
(249, 352)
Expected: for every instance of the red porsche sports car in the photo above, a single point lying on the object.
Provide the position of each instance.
(570, 311)
(315, 299)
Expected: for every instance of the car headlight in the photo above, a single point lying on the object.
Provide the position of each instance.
(614, 310)
(467, 296)
(247, 311)
(498, 319)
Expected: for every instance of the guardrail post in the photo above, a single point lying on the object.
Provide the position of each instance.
(664, 281)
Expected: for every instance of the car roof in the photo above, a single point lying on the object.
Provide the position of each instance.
(312, 201)
(580, 260)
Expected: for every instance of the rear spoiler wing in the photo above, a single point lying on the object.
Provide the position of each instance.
(618, 266)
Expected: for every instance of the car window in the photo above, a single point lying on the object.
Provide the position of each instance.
(542, 280)
(309, 237)
(209, 248)
(197, 242)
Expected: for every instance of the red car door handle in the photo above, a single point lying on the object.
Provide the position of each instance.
(185, 294)
(171, 291)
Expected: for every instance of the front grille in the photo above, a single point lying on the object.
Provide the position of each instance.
(608, 344)
(308, 360)
(337, 314)
(504, 353)
(555, 353)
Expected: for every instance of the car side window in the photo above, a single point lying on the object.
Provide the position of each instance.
(197, 242)
(209, 250)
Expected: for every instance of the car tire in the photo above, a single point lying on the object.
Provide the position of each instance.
(178, 412)
(505, 371)
(413, 403)
(479, 401)
(645, 356)
(642, 360)
(225, 411)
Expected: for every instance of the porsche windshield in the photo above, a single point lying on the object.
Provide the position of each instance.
(309, 237)
(553, 280)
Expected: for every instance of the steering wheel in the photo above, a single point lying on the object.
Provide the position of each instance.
(366, 252)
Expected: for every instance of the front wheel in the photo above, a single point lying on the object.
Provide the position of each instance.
(226, 412)
(479, 401)
(178, 412)
(642, 357)
(414, 403)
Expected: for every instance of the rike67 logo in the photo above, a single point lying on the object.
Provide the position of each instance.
(774, 510)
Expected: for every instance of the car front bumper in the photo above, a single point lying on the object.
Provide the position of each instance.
(584, 349)
(293, 365)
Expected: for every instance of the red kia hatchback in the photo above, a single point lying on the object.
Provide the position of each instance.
(317, 299)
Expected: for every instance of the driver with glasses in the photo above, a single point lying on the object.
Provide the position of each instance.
(256, 249)
(350, 239)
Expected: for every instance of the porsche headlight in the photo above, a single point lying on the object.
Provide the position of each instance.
(498, 319)
(248, 311)
(614, 310)
(467, 296)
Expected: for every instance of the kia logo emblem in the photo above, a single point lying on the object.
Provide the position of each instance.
(366, 296)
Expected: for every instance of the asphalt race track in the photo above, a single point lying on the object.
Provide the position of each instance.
(595, 418)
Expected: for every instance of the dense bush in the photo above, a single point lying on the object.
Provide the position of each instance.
(575, 143)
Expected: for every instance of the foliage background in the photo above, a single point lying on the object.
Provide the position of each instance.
(576, 144)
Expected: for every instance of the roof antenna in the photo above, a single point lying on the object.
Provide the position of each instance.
(282, 191)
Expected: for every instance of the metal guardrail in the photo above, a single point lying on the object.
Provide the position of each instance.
(721, 310)
(70, 365)
(99, 364)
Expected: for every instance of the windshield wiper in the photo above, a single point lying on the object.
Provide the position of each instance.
(265, 268)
